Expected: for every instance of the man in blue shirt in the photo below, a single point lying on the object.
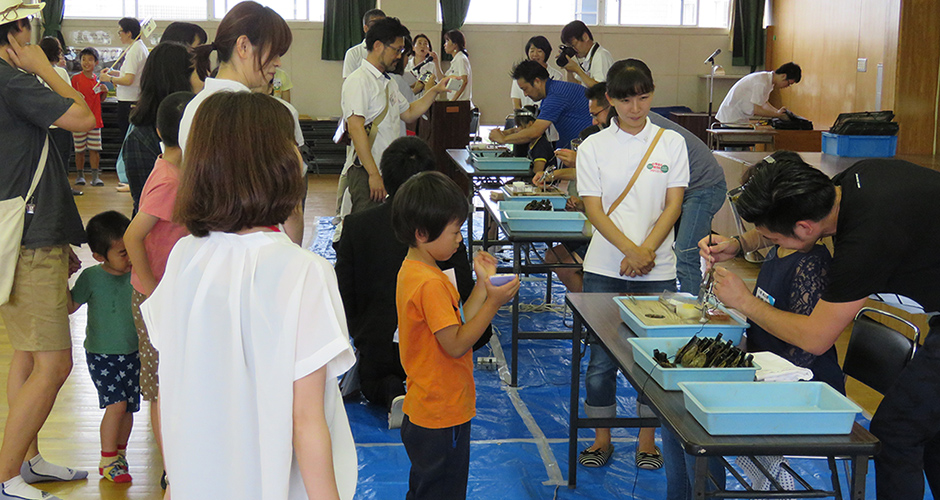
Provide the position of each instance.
(563, 105)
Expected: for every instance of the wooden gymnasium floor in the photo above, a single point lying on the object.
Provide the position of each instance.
(70, 435)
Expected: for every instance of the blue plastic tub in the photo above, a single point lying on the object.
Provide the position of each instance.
(518, 203)
(491, 161)
(669, 378)
(544, 222)
(856, 146)
(693, 327)
(769, 408)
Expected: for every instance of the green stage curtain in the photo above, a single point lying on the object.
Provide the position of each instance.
(747, 26)
(342, 26)
(453, 13)
(52, 15)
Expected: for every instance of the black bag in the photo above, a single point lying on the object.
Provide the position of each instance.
(793, 122)
(865, 123)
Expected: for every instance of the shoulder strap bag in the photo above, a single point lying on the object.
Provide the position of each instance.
(12, 220)
(636, 173)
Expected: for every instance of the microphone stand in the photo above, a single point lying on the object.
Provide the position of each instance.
(711, 91)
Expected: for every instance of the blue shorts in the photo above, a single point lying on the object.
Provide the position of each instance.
(117, 379)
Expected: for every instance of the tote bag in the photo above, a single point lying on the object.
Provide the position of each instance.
(12, 219)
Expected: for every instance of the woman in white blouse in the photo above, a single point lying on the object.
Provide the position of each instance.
(419, 66)
(537, 49)
(456, 45)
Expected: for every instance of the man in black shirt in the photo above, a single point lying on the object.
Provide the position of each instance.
(884, 218)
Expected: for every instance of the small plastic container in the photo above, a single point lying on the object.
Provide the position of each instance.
(518, 204)
(535, 221)
(857, 146)
(669, 378)
(769, 408)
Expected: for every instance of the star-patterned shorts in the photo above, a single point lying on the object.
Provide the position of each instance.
(117, 378)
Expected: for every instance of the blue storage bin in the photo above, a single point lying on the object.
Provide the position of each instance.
(732, 332)
(491, 161)
(669, 378)
(856, 146)
(769, 408)
(544, 222)
(519, 202)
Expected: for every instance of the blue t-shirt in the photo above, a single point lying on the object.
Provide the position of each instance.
(566, 107)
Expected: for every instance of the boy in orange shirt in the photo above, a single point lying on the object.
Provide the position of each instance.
(435, 342)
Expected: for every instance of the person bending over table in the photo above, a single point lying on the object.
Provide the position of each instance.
(631, 249)
(883, 217)
(563, 105)
(750, 95)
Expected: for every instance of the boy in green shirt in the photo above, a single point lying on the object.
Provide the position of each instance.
(111, 338)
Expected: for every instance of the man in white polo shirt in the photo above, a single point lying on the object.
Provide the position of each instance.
(357, 53)
(749, 96)
(373, 109)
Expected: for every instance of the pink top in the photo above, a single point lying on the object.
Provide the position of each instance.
(157, 199)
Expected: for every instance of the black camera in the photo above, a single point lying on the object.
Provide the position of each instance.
(566, 52)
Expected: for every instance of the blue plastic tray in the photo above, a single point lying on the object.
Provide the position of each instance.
(544, 222)
(769, 408)
(519, 203)
(856, 146)
(693, 327)
(490, 160)
(669, 378)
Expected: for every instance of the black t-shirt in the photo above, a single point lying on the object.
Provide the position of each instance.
(542, 149)
(27, 109)
(888, 234)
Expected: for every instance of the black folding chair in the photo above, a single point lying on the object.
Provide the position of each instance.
(876, 353)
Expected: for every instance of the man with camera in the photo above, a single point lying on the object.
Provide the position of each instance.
(563, 105)
(592, 61)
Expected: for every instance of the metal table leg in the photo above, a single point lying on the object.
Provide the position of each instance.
(516, 269)
(575, 402)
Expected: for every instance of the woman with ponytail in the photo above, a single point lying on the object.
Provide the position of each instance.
(456, 45)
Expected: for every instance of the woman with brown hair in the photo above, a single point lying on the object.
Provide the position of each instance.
(250, 328)
(249, 44)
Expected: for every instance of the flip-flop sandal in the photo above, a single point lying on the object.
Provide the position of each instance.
(595, 458)
(649, 461)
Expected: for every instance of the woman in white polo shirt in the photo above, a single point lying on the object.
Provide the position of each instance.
(631, 250)
(127, 81)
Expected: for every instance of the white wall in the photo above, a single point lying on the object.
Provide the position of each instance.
(675, 56)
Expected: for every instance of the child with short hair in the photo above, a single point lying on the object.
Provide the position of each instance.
(435, 342)
(541, 150)
(151, 236)
(110, 338)
(94, 93)
(249, 326)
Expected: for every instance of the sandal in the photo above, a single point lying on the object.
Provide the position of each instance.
(649, 461)
(595, 458)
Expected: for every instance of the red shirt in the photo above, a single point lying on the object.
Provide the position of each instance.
(88, 88)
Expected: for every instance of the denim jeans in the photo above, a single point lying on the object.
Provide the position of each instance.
(908, 424)
(698, 210)
(601, 378)
(680, 469)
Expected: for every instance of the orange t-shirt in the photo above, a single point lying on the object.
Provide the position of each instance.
(441, 391)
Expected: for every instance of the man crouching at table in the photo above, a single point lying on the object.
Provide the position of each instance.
(884, 218)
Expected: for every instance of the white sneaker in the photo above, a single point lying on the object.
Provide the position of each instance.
(396, 414)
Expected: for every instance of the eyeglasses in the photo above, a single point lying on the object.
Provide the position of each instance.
(595, 115)
(399, 50)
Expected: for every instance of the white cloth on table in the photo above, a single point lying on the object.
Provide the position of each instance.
(774, 368)
(237, 319)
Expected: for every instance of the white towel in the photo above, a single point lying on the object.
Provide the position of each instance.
(774, 368)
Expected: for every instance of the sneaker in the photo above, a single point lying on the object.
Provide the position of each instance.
(76, 192)
(649, 461)
(595, 458)
(80, 181)
(122, 188)
(97, 182)
(396, 414)
(115, 472)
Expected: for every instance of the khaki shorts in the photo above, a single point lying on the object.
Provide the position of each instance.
(37, 316)
(149, 358)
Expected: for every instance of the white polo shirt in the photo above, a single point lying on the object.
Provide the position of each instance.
(460, 66)
(353, 58)
(750, 91)
(606, 163)
(214, 85)
(133, 64)
(364, 95)
(596, 64)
